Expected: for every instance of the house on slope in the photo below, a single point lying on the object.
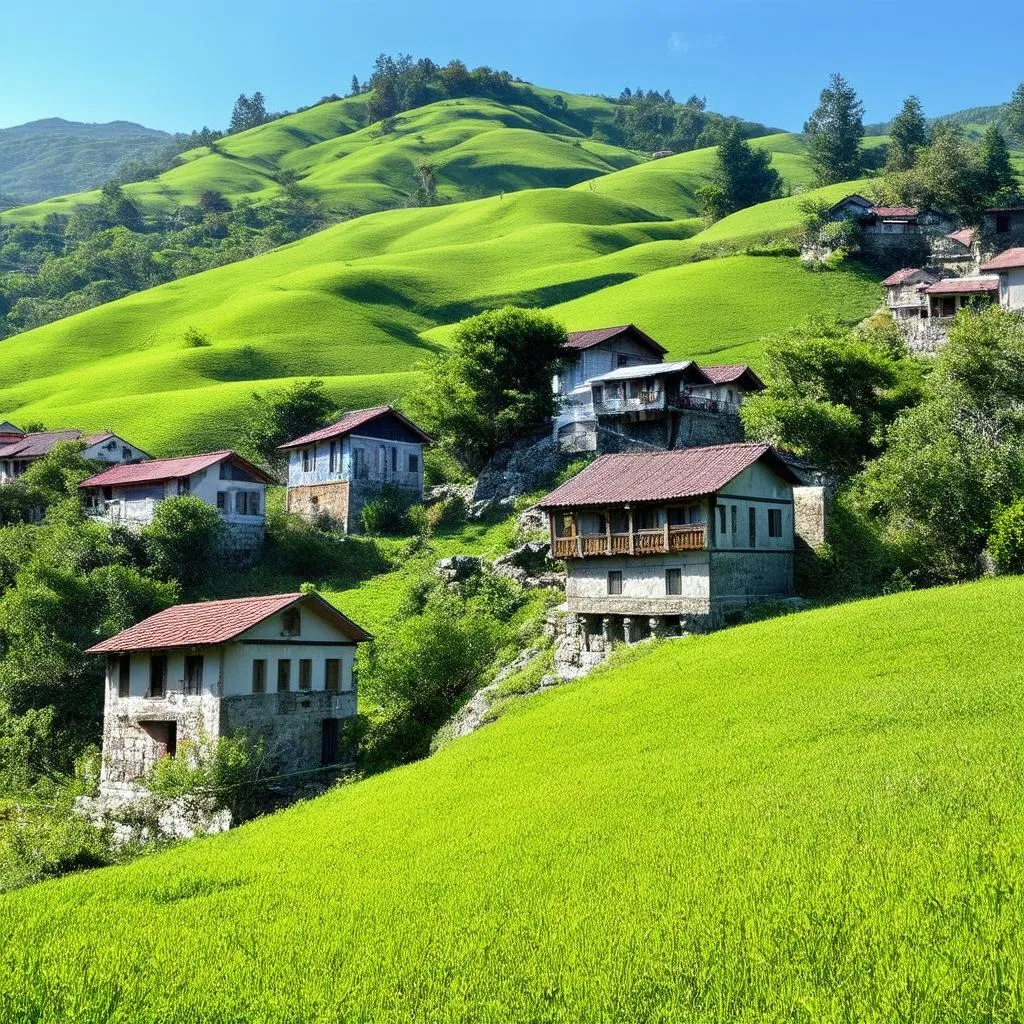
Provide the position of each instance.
(1002, 228)
(278, 668)
(1008, 267)
(662, 541)
(731, 384)
(18, 449)
(852, 207)
(336, 470)
(904, 292)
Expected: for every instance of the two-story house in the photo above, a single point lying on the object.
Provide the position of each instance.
(18, 449)
(334, 471)
(731, 385)
(659, 541)
(1008, 268)
(278, 668)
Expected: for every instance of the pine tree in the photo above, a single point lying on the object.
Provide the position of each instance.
(354, 89)
(834, 132)
(909, 132)
(239, 115)
(742, 176)
(1015, 115)
(998, 177)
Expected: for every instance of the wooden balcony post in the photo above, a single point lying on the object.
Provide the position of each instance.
(666, 533)
(608, 532)
(632, 538)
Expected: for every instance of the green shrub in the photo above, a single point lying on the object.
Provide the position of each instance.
(182, 540)
(1006, 542)
(449, 511)
(387, 512)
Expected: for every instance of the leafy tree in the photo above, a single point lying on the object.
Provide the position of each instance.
(494, 385)
(834, 132)
(1015, 115)
(743, 176)
(280, 416)
(56, 476)
(182, 540)
(426, 192)
(998, 178)
(212, 201)
(1006, 543)
(909, 133)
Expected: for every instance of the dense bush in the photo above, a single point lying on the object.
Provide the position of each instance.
(182, 540)
(387, 512)
(1006, 542)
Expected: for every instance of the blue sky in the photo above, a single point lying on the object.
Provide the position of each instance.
(179, 64)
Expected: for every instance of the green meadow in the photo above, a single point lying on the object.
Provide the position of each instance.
(813, 818)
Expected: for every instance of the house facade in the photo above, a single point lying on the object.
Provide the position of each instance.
(904, 292)
(336, 470)
(278, 669)
(1008, 268)
(1002, 228)
(18, 449)
(659, 542)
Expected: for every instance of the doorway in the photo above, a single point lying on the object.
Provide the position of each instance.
(329, 741)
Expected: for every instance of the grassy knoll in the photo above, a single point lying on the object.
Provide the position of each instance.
(811, 818)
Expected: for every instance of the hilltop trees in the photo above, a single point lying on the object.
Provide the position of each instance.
(248, 112)
(834, 132)
(909, 133)
(998, 178)
(494, 385)
(1015, 115)
(742, 177)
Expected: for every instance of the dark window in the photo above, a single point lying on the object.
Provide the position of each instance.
(721, 520)
(254, 503)
(329, 741)
(414, 463)
(183, 485)
(1002, 223)
(677, 516)
(598, 391)
(775, 522)
(164, 736)
(646, 518)
(284, 675)
(359, 456)
(673, 582)
(621, 360)
(291, 622)
(259, 675)
(222, 500)
(615, 582)
(332, 457)
(332, 675)
(752, 517)
(305, 674)
(394, 460)
(634, 389)
(126, 454)
(620, 521)
(307, 460)
(735, 518)
(193, 673)
(157, 674)
(124, 675)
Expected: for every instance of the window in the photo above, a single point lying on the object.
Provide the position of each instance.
(394, 460)
(124, 675)
(193, 673)
(222, 501)
(1002, 223)
(721, 520)
(329, 741)
(620, 521)
(775, 522)
(359, 456)
(634, 388)
(183, 487)
(382, 460)
(648, 518)
(247, 503)
(615, 583)
(291, 622)
(307, 460)
(598, 392)
(284, 675)
(333, 462)
(259, 675)
(735, 518)
(565, 525)
(305, 674)
(157, 674)
(673, 582)
(126, 454)
(752, 517)
(254, 503)
(332, 675)
(621, 360)
(414, 463)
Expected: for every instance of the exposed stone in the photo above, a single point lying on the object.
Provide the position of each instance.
(487, 507)
(459, 568)
(442, 491)
(521, 468)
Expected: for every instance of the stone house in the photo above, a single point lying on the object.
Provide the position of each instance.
(18, 449)
(1002, 227)
(662, 541)
(905, 292)
(851, 207)
(1008, 267)
(947, 297)
(276, 668)
(731, 384)
(336, 470)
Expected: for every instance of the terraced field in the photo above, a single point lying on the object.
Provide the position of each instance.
(814, 818)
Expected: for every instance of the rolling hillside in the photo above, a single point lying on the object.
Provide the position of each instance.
(811, 818)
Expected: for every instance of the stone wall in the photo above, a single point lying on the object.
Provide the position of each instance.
(241, 543)
(332, 499)
(810, 515)
(671, 430)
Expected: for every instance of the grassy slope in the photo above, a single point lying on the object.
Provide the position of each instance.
(813, 818)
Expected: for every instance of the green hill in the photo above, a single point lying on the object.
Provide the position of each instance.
(811, 818)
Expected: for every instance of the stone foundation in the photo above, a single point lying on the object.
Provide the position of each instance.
(329, 499)
(810, 515)
(667, 431)
(241, 543)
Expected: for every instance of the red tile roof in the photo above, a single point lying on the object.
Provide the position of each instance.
(31, 446)
(1006, 260)
(579, 340)
(662, 476)
(352, 420)
(215, 622)
(963, 286)
(895, 211)
(902, 275)
(965, 237)
(157, 470)
(728, 373)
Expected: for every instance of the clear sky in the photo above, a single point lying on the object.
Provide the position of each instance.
(179, 64)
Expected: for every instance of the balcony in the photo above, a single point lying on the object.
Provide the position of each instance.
(661, 541)
(656, 400)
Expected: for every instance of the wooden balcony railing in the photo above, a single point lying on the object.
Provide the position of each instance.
(660, 541)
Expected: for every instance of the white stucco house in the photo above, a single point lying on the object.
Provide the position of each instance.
(334, 471)
(278, 668)
(18, 449)
(659, 541)
(1008, 268)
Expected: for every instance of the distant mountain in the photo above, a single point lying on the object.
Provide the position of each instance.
(52, 157)
(973, 119)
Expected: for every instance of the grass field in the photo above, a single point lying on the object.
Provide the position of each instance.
(812, 818)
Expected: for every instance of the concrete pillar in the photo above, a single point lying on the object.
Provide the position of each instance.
(627, 629)
(606, 628)
(657, 627)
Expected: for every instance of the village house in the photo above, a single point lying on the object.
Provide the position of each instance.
(731, 385)
(18, 449)
(947, 297)
(1008, 267)
(278, 668)
(901, 232)
(904, 292)
(1002, 227)
(659, 542)
(336, 470)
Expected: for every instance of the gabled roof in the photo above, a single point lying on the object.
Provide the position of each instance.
(1006, 260)
(895, 212)
(855, 198)
(653, 370)
(580, 340)
(734, 373)
(157, 470)
(215, 622)
(34, 446)
(905, 275)
(965, 236)
(350, 422)
(963, 286)
(7, 427)
(662, 476)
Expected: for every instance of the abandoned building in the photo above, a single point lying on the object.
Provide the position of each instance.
(731, 384)
(275, 668)
(18, 449)
(904, 292)
(1002, 228)
(898, 232)
(336, 470)
(660, 542)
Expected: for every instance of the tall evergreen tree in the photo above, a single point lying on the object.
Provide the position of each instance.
(1015, 115)
(354, 87)
(998, 177)
(248, 112)
(909, 133)
(742, 176)
(834, 132)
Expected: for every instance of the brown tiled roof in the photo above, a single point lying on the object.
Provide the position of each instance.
(963, 286)
(728, 373)
(157, 470)
(1006, 260)
(895, 211)
(901, 275)
(349, 422)
(215, 622)
(662, 476)
(31, 446)
(965, 237)
(579, 340)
